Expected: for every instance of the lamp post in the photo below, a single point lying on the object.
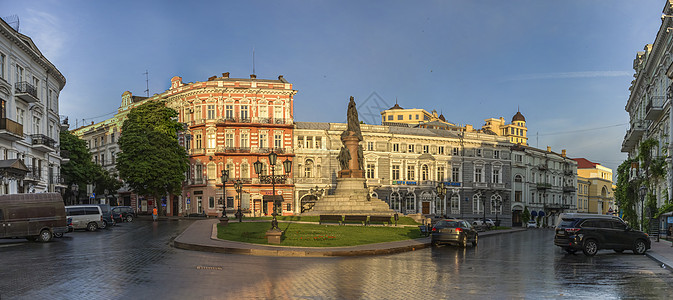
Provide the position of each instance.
(225, 176)
(643, 192)
(496, 204)
(74, 188)
(273, 178)
(238, 185)
(441, 192)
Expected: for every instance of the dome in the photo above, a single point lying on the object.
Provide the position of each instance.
(518, 117)
(396, 107)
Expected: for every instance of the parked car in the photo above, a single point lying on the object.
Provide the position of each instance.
(107, 215)
(70, 229)
(590, 233)
(89, 217)
(36, 217)
(531, 224)
(124, 213)
(489, 223)
(453, 231)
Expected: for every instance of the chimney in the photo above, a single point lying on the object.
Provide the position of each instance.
(225, 75)
(211, 78)
(253, 76)
(563, 152)
(548, 149)
(280, 77)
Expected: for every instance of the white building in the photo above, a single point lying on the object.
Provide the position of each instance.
(30, 159)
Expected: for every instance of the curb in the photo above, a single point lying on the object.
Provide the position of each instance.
(289, 251)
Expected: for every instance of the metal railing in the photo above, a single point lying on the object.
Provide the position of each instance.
(24, 87)
(41, 139)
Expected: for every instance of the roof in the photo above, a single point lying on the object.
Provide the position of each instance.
(311, 125)
(583, 163)
(396, 107)
(518, 117)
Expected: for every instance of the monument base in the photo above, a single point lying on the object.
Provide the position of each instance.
(350, 198)
(274, 236)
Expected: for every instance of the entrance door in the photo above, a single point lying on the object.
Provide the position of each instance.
(426, 208)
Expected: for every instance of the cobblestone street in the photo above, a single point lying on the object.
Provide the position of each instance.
(135, 261)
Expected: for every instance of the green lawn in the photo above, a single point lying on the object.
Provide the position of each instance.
(314, 235)
(401, 221)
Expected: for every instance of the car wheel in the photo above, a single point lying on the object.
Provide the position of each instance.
(570, 250)
(639, 247)
(590, 247)
(92, 226)
(129, 218)
(474, 243)
(45, 236)
(58, 234)
(104, 225)
(619, 250)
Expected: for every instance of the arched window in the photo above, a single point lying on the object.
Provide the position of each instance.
(604, 192)
(496, 204)
(518, 178)
(411, 202)
(308, 169)
(424, 172)
(439, 205)
(395, 201)
(455, 204)
(476, 204)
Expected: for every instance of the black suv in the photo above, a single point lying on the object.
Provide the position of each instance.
(125, 213)
(590, 233)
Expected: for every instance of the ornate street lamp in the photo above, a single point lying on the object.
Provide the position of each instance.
(225, 178)
(441, 192)
(238, 185)
(643, 192)
(273, 178)
(496, 204)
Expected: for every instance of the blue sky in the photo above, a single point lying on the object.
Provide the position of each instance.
(567, 65)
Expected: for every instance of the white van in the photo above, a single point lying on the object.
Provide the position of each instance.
(89, 217)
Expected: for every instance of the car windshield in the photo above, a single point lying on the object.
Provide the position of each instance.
(448, 224)
(566, 223)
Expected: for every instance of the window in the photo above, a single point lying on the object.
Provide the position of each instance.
(19, 73)
(263, 140)
(197, 141)
(102, 140)
(212, 142)
(424, 172)
(229, 112)
(278, 140)
(395, 201)
(477, 174)
(211, 202)
(318, 142)
(263, 112)
(112, 137)
(440, 150)
(245, 171)
(400, 117)
(518, 158)
(410, 173)
(371, 168)
(410, 148)
(496, 153)
(440, 173)
(395, 172)
(456, 151)
(411, 202)
(479, 152)
(198, 172)
(396, 147)
(245, 140)
(496, 204)
(409, 117)
(390, 118)
(102, 159)
(455, 204)
(308, 169)
(416, 117)
(2, 66)
(476, 204)
(112, 157)
(245, 113)
(198, 115)
(426, 149)
(309, 142)
(370, 146)
(36, 125)
(455, 174)
(496, 176)
(211, 112)
(229, 140)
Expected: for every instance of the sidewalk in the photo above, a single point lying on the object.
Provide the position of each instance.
(202, 236)
(661, 252)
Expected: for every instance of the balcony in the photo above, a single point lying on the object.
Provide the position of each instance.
(498, 186)
(197, 151)
(10, 130)
(543, 186)
(43, 143)
(480, 185)
(654, 108)
(568, 173)
(633, 136)
(26, 92)
(542, 167)
(557, 206)
(33, 174)
(568, 189)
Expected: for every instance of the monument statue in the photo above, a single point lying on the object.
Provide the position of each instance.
(353, 121)
(361, 158)
(344, 157)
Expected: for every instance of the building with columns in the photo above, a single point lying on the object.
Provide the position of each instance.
(30, 158)
(599, 193)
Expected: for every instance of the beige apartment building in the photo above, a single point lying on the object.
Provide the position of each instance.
(597, 182)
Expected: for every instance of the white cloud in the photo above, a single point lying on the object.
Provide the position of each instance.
(46, 31)
(564, 75)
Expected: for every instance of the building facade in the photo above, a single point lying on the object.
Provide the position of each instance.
(30, 158)
(600, 194)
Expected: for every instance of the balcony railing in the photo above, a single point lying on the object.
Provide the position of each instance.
(568, 189)
(42, 141)
(654, 108)
(10, 129)
(543, 186)
(26, 91)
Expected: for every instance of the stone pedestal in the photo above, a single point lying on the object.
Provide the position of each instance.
(274, 236)
(350, 198)
(224, 221)
(353, 144)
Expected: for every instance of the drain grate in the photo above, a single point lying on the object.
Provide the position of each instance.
(208, 268)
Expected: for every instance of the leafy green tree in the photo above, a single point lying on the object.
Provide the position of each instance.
(151, 161)
(626, 193)
(107, 180)
(79, 169)
(525, 216)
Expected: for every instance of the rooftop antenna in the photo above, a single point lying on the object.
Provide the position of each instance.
(253, 60)
(12, 21)
(147, 82)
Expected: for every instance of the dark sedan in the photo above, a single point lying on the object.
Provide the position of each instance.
(456, 232)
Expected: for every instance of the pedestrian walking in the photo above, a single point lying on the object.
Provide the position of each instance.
(155, 214)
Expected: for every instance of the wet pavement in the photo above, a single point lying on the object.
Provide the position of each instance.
(135, 261)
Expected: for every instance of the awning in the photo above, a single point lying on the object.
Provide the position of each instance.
(541, 213)
(533, 214)
(13, 168)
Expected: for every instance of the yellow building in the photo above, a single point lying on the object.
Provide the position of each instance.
(582, 195)
(515, 131)
(599, 188)
(397, 114)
